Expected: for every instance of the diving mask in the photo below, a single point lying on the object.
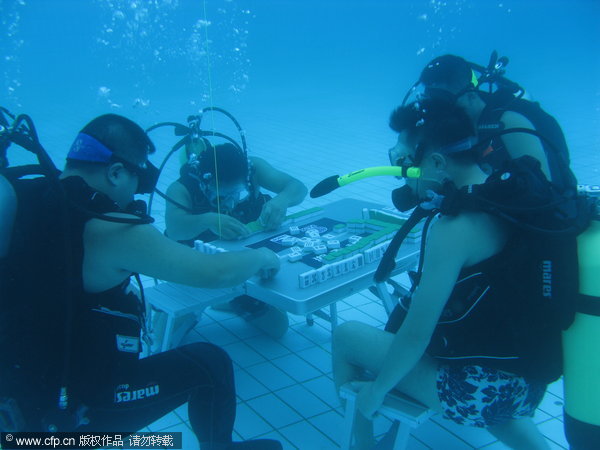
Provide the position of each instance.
(226, 196)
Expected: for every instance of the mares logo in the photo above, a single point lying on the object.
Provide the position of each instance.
(129, 344)
(547, 278)
(489, 126)
(124, 394)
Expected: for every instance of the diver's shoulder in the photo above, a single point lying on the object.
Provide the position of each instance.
(106, 228)
(257, 161)
(177, 188)
(467, 222)
(472, 235)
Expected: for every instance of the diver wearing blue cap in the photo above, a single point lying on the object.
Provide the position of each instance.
(107, 239)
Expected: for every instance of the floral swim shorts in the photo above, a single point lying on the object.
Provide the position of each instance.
(482, 397)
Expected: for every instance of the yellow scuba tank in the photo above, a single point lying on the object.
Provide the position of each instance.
(581, 344)
(196, 147)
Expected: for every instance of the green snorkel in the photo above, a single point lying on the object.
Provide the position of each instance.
(332, 183)
(402, 198)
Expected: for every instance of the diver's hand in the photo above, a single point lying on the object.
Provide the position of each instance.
(273, 214)
(269, 263)
(228, 228)
(368, 399)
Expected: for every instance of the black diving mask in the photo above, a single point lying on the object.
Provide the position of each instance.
(146, 172)
(420, 90)
(404, 198)
(402, 160)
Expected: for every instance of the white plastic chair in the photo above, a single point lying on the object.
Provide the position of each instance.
(396, 406)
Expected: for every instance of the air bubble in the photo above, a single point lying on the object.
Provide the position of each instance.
(103, 91)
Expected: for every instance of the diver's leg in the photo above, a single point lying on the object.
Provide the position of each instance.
(200, 374)
(358, 347)
(521, 433)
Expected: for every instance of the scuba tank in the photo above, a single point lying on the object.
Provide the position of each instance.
(581, 343)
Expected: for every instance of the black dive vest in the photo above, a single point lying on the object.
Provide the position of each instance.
(557, 154)
(247, 211)
(508, 311)
(505, 312)
(105, 326)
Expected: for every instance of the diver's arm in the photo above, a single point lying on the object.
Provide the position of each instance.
(519, 144)
(452, 243)
(182, 225)
(113, 250)
(290, 191)
(445, 255)
(8, 207)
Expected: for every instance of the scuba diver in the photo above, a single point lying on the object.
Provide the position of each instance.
(217, 194)
(500, 107)
(72, 328)
(481, 338)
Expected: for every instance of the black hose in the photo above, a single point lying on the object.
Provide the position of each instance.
(388, 262)
(183, 130)
(175, 147)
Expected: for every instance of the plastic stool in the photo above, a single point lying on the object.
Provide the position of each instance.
(396, 406)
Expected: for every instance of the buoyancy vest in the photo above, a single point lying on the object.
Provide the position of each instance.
(247, 211)
(109, 322)
(501, 312)
(508, 311)
(554, 144)
(105, 327)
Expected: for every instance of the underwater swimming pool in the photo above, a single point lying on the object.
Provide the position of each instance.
(312, 83)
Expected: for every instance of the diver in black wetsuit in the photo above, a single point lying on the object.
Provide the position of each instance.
(452, 78)
(461, 348)
(109, 387)
(217, 194)
(220, 189)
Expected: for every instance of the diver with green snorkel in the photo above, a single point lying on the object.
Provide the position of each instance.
(493, 292)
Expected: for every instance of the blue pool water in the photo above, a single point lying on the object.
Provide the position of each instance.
(312, 82)
(343, 65)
